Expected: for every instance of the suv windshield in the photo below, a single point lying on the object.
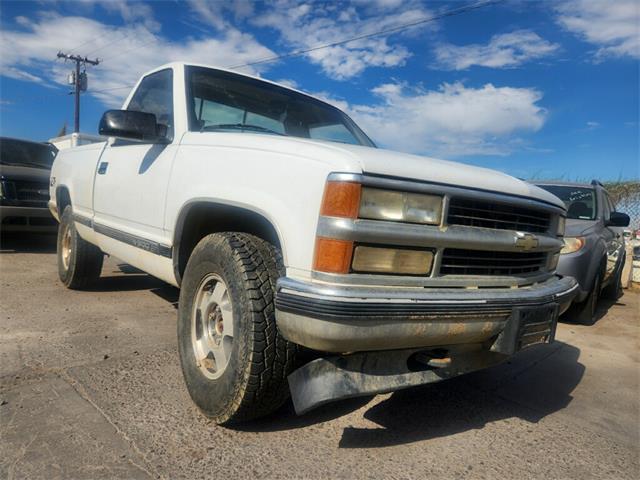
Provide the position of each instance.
(223, 101)
(580, 201)
(26, 154)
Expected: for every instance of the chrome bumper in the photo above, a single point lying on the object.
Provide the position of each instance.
(340, 318)
(26, 219)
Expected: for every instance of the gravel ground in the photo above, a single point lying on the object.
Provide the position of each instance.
(90, 387)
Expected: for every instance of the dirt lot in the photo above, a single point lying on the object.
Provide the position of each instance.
(90, 387)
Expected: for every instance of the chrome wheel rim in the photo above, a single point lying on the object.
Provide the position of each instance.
(66, 248)
(212, 326)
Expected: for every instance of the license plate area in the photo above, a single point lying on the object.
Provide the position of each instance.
(527, 326)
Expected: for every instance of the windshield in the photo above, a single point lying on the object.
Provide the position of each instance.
(580, 201)
(26, 154)
(223, 101)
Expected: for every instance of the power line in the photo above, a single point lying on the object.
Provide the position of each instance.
(126, 35)
(296, 53)
(75, 49)
(448, 13)
(131, 49)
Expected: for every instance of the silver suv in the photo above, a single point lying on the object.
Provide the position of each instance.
(594, 252)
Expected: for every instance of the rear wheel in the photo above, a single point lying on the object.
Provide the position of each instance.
(79, 262)
(234, 360)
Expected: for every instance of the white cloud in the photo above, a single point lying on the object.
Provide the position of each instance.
(133, 12)
(453, 120)
(614, 27)
(302, 26)
(287, 82)
(592, 125)
(503, 50)
(127, 52)
(213, 12)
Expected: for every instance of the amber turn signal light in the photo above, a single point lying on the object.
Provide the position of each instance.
(332, 256)
(341, 199)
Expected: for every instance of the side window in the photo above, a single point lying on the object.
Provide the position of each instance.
(336, 132)
(155, 95)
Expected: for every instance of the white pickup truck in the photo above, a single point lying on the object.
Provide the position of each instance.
(310, 262)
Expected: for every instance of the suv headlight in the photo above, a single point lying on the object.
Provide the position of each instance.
(395, 206)
(572, 244)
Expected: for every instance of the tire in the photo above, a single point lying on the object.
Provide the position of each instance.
(585, 312)
(230, 278)
(79, 262)
(613, 291)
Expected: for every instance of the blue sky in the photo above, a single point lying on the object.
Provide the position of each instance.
(536, 89)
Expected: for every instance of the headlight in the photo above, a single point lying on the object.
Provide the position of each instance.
(572, 244)
(562, 222)
(400, 207)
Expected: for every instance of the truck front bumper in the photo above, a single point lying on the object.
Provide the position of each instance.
(339, 318)
(15, 218)
(386, 339)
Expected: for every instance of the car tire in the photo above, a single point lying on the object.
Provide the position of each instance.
(79, 262)
(613, 290)
(585, 312)
(234, 360)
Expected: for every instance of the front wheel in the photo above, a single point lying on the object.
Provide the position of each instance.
(234, 360)
(613, 291)
(585, 312)
(79, 262)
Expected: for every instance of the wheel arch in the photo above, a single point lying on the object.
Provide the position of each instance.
(63, 198)
(201, 217)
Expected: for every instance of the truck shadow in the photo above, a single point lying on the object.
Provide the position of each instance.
(513, 390)
(530, 386)
(26, 242)
(127, 278)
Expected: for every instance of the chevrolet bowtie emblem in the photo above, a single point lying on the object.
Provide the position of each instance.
(526, 241)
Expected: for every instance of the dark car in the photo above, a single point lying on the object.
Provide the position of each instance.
(594, 251)
(24, 185)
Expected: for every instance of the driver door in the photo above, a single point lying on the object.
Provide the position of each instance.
(132, 177)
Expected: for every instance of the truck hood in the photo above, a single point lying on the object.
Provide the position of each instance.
(396, 164)
(358, 159)
(31, 174)
(577, 227)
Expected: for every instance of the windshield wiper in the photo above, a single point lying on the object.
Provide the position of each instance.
(239, 126)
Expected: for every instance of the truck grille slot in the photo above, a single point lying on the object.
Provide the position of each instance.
(476, 213)
(32, 191)
(28, 194)
(479, 262)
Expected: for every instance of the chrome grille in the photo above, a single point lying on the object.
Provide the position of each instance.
(480, 262)
(500, 216)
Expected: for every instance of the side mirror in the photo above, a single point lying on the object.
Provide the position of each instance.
(132, 125)
(618, 219)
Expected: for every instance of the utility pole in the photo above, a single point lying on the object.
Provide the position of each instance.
(79, 82)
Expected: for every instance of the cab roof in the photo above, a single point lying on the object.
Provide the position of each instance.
(177, 65)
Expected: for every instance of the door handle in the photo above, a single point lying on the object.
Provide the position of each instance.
(102, 168)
